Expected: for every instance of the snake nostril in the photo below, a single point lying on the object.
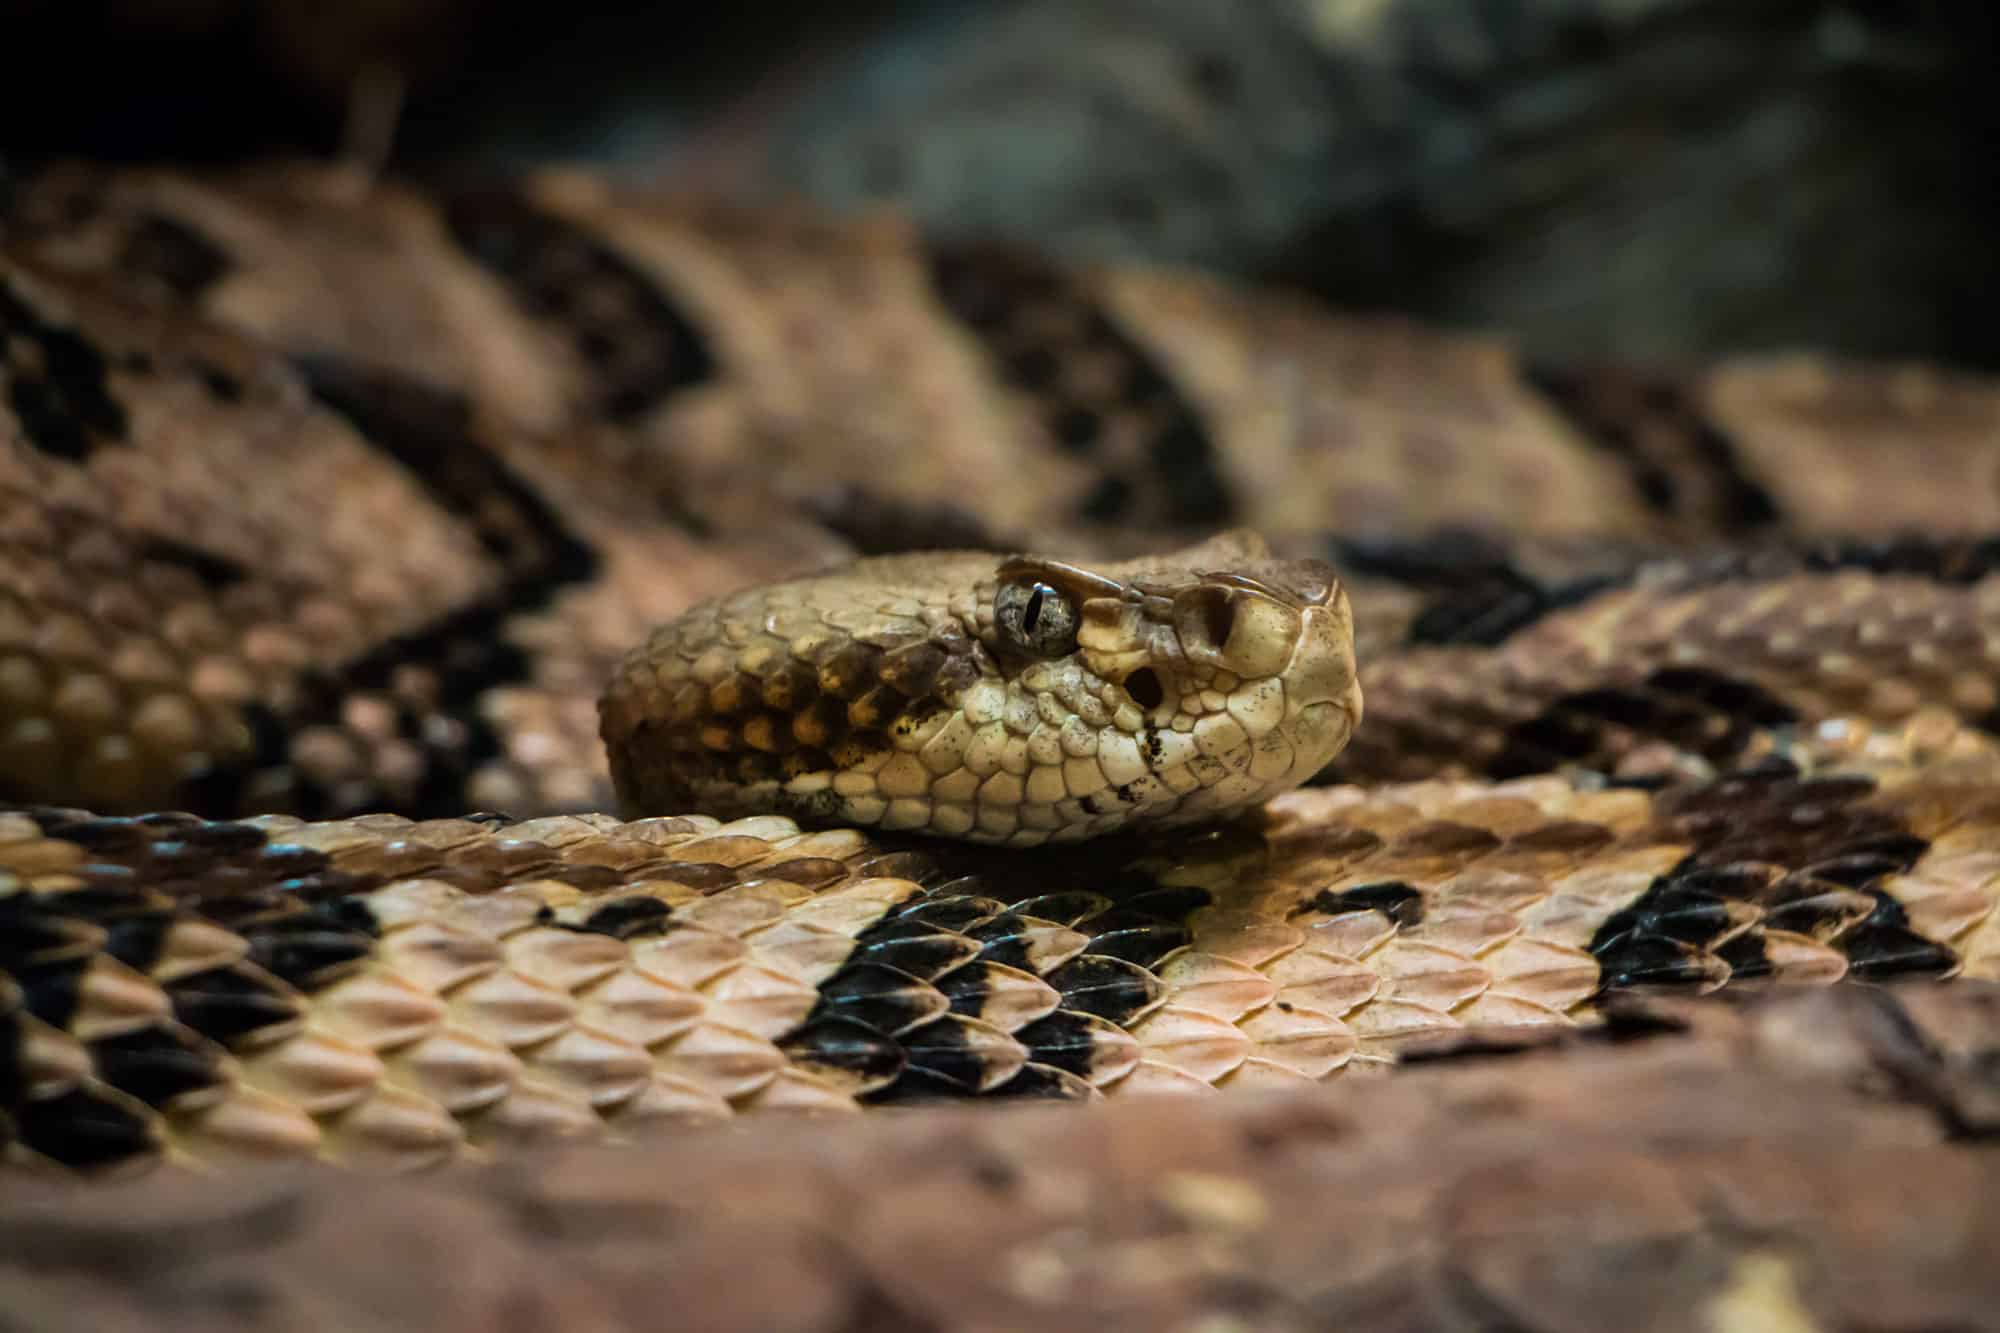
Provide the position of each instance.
(1218, 615)
(1145, 688)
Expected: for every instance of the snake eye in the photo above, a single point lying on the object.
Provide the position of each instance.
(1036, 618)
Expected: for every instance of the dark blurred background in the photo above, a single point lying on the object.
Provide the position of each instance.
(1656, 181)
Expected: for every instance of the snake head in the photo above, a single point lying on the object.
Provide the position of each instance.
(1233, 672)
(1025, 701)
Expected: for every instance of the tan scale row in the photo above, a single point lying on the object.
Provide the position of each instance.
(477, 1022)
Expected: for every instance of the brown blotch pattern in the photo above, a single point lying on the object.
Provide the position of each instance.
(392, 992)
(715, 698)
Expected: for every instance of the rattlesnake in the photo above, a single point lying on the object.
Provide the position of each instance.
(1030, 702)
(330, 507)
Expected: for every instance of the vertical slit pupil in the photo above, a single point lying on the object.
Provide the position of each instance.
(1031, 614)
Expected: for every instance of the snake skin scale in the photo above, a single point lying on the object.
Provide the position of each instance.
(383, 992)
(328, 508)
(1031, 703)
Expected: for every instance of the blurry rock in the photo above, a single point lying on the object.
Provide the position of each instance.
(1636, 179)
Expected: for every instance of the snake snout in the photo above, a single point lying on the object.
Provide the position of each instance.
(1322, 669)
(1251, 626)
(1231, 629)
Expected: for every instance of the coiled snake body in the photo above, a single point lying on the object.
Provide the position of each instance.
(1598, 754)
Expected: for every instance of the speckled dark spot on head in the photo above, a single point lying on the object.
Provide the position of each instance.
(851, 671)
(860, 745)
(913, 670)
(878, 709)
